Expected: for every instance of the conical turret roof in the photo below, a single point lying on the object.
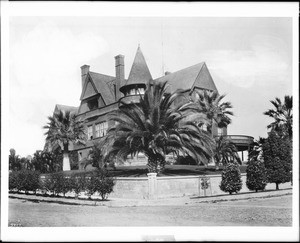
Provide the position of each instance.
(139, 73)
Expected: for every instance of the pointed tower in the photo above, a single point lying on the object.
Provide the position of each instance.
(138, 77)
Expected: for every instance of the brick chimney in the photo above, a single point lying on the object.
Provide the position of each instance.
(84, 71)
(120, 75)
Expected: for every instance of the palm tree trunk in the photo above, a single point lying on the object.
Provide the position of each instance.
(66, 160)
(156, 164)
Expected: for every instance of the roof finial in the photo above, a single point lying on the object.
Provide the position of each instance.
(139, 46)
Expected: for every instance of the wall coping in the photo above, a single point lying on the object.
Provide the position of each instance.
(163, 177)
(131, 178)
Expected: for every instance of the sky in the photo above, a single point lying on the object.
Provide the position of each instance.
(249, 58)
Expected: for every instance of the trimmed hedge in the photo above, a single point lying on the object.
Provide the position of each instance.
(24, 180)
(256, 175)
(231, 178)
(57, 183)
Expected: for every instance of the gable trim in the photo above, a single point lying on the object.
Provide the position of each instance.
(88, 80)
(198, 76)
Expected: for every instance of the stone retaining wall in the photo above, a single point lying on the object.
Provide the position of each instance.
(153, 187)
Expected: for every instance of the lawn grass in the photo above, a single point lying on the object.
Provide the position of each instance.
(141, 171)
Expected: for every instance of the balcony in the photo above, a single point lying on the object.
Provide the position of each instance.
(242, 142)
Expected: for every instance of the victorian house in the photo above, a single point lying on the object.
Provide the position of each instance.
(102, 94)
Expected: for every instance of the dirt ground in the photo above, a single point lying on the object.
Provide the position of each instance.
(276, 211)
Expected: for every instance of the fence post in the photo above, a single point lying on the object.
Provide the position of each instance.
(152, 186)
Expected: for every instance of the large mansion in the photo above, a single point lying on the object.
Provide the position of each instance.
(102, 94)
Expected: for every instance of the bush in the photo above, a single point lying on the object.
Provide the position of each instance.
(47, 184)
(25, 180)
(104, 184)
(277, 158)
(77, 184)
(61, 184)
(91, 185)
(256, 175)
(14, 181)
(231, 178)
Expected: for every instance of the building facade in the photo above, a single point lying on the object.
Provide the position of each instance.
(102, 94)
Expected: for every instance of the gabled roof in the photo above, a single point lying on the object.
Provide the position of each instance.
(139, 73)
(101, 84)
(190, 77)
(204, 80)
(72, 109)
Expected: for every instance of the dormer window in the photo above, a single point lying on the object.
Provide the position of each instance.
(93, 104)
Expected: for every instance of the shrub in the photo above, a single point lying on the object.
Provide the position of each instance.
(25, 180)
(91, 185)
(77, 184)
(13, 183)
(60, 184)
(231, 178)
(277, 158)
(47, 184)
(205, 184)
(256, 175)
(104, 184)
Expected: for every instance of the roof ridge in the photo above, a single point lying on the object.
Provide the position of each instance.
(202, 63)
(67, 105)
(102, 74)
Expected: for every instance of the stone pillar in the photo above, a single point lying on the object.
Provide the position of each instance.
(152, 186)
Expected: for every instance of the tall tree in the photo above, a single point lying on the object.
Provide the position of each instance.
(157, 127)
(47, 162)
(63, 129)
(277, 159)
(211, 105)
(282, 115)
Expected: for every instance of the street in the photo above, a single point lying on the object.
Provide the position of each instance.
(275, 211)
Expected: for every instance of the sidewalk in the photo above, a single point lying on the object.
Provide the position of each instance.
(182, 201)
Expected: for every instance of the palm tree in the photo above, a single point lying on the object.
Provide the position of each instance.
(14, 160)
(256, 153)
(209, 103)
(63, 129)
(225, 151)
(282, 115)
(95, 156)
(157, 127)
